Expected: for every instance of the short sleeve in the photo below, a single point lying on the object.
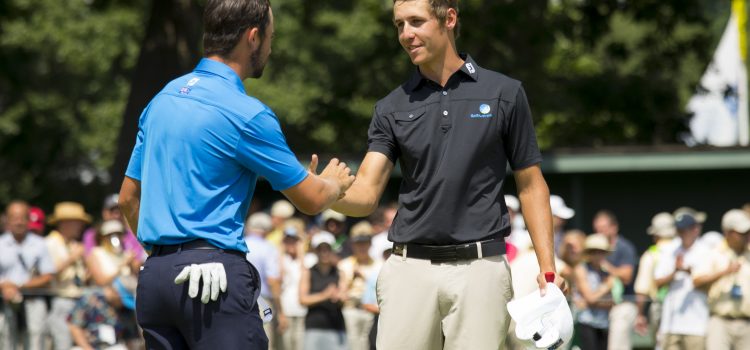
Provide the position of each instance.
(519, 138)
(45, 259)
(629, 257)
(370, 294)
(262, 148)
(273, 268)
(644, 278)
(665, 266)
(380, 137)
(710, 266)
(136, 158)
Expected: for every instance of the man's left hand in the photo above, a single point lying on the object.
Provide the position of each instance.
(214, 280)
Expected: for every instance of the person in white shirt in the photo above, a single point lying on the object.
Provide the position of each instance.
(265, 257)
(291, 271)
(685, 309)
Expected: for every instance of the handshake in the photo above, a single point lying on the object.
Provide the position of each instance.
(336, 174)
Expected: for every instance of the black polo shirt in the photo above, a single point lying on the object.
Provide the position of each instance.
(453, 144)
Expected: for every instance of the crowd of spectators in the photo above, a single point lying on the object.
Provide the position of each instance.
(73, 285)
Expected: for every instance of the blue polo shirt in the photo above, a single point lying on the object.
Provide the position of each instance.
(201, 145)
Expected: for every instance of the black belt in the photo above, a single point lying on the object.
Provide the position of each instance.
(735, 318)
(198, 244)
(448, 253)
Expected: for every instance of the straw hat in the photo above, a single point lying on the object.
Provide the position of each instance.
(597, 241)
(69, 211)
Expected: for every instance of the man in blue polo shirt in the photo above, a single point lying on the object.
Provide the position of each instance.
(201, 145)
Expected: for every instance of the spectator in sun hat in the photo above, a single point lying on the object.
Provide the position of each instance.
(281, 211)
(108, 260)
(354, 272)
(685, 312)
(111, 211)
(36, 220)
(663, 232)
(335, 223)
(69, 218)
(103, 318)
(726, 275)
(593, 293)
(561, 213)
(321, 292)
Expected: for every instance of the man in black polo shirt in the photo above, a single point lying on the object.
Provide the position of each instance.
(453, 126)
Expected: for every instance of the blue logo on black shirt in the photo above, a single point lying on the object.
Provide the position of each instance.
(484, 110)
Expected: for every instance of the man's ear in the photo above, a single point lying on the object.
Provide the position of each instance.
(252, 36)
(451, 19)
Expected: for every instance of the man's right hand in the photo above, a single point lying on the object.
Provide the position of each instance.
(335, 171)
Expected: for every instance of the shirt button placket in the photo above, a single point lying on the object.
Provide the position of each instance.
(444, 107)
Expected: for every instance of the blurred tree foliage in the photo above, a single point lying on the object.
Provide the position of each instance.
(597, 72)
(64, 79)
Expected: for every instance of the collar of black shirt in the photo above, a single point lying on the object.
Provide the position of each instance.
(469, 69)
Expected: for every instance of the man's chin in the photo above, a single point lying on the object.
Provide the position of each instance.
(257, 74)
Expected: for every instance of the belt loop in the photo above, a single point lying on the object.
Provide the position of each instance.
(479, 250)
(179, 248)
(403, 253)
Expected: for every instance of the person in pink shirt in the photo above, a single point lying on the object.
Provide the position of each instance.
(111, 211)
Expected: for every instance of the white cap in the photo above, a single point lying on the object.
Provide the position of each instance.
(329, 214)
(260, 221)
(542, 322)
(322, 237)
(111, 226)
(512, 202)
(559, 208)
(711, 239)
(736, 220)
(282, 209)
(662, 225)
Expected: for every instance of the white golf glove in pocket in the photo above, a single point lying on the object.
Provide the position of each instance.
(214, 280)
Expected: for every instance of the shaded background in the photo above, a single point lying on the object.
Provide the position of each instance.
(600, 75)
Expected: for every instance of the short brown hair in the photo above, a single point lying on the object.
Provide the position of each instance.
(224, 22)
(439, 9)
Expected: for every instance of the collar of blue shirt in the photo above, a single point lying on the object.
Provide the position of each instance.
(209, 66)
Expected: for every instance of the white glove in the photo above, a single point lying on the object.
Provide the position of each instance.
(214, 279)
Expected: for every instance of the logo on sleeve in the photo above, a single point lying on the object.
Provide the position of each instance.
(484, 112)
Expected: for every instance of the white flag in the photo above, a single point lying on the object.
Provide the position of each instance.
(720, 106)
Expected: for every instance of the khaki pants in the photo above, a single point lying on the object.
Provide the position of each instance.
(58, 323)
(621, 321)
(728, 334)
(33, 337)
(684, 342)
(453, 305)
(358, 326)
(294, 336)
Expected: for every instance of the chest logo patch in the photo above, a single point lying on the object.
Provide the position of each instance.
(484, 112)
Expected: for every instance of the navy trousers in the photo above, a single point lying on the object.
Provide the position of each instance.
(172, 320)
